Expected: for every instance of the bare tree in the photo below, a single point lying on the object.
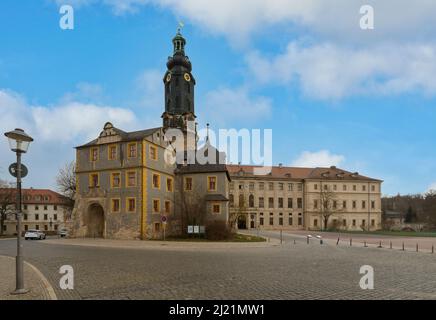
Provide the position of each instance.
(328, 205)
(66, 180)
(191, 205)
(239, 210)
(7, 202)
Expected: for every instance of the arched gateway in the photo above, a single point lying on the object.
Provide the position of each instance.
(94, 221)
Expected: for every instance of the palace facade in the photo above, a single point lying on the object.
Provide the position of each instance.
(128, 189)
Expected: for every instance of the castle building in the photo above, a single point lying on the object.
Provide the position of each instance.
(304, 199)
(127, 187)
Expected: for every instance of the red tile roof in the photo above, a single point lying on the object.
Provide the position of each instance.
(331, 173)
(39, 196)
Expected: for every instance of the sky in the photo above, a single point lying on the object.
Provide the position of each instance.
(333, 93)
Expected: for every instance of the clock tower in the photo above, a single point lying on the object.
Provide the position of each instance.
(179, 88)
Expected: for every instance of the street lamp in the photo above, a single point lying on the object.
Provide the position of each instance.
(19, 142)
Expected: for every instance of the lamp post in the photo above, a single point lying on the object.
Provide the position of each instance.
(19, 142)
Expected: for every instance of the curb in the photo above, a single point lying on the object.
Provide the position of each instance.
(44, 280)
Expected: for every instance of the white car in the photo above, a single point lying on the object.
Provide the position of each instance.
(63, 233)
(34, 235)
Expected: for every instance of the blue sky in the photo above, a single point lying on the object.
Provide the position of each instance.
(332, 93)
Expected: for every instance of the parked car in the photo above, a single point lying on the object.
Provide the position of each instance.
(34, 235)
(63, 233)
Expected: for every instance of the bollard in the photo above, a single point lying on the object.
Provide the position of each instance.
(337, 243)
(380, 245)
(391, 245)
(281, 236)
(432, 249)
(295, 242)
(417, 248)
(403, 247)
(365, 245)
(351, 242)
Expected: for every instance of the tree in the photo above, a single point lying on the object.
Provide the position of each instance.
(190, 205)
(410, 215)
(66, 180)
(7, 202)
(239, 211)
(328, 205)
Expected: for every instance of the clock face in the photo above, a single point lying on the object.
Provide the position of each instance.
(187, 77)
(169, 77)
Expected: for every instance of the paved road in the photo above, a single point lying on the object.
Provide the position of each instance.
(291, 271)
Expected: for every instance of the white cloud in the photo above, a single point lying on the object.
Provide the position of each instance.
(226, 106)
(62, 123)
(238, 19)
(323, 158)
(151, 90)
(432, 187)
(329, 71)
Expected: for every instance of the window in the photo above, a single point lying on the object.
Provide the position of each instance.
(132, 150)
(326, 187)
(290, 203)
(251, 187)
(354, 188)
(36, 216)
(116, 180)
(280, 221)
(271, 186)
(315, 187)
(169, 184)
(188, 184)
(55, 217)
(94, 154)
(300, 203)
(261, 202)
(56, 227)
(46, 217)
(156, 206)
(373, 188)
(156, 181)
(281, 203)
(94, 180)
(115, 205)
(211, 183)
(36, 207)
(363, 223)
(363, 188)
(251, 201)
(335, 204)
(300, 219)
(270, 202)
(112, 152)
(372, 223)
(25, 207)
(344, 187)
(131, 204)
(261, 221)
(281, 186)
(131, 179)
(363, 204)
(315, 223)
(167, 207)
(153, 153)
(37, 227)
(25, 216)
(315, 204)
(354, 223)
(344, 204)
(372, 204)
(26, 227)
(216, 209)
(290, 187)
(300, 187)
(354, 204)
(241, 201)
(157, 227)
(291, 220)
(241, 187)
(271, 219)
(55, 208)
(344, 223)
(261, 186)
(45, 208)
